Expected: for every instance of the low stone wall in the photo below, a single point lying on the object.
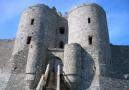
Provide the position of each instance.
(107, 83)
(120, 62)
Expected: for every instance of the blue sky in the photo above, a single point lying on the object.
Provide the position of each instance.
(117, 16)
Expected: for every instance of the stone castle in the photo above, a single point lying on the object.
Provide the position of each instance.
(71, 52)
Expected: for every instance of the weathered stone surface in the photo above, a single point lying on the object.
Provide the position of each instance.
(90, 31)
(6, 48)
(88, 55)
(72, 65)
(18, 65)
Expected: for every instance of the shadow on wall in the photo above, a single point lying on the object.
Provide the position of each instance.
(88, 70)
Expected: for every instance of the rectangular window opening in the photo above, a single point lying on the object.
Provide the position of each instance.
(89, 21)
(32, 21)
(90, 40)
(61, 44)
(28, 40)
(61, 30)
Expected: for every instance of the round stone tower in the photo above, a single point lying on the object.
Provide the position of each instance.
(88, 27)
(37, 32)
(36, 21)
(41, 32)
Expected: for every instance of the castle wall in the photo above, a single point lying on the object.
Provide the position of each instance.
(116, 81)
(6, 48)
(60, 35)
(17, 76)
(108, 83)
(88, 63)
(120, 62)
(87, 28)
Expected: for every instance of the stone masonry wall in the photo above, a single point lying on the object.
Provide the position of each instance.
(102, 68)
(6, 48)
(120, 62)
(88, 29)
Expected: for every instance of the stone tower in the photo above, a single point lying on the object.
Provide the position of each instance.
(36, 28)
(79, 43)
(39, 30)
(88, 27)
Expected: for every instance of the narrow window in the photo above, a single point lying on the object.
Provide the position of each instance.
(90, 40)
(61, 44)
(32, 21)
(28, 40)
(89, 21)
(61, 30)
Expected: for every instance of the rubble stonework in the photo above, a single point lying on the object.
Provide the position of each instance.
(78, 45)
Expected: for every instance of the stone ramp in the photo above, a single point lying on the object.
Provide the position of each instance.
(17, 77)
(6, 47)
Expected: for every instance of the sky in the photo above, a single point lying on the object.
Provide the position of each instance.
(117, 16)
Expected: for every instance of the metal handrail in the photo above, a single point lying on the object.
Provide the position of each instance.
(58, 78)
